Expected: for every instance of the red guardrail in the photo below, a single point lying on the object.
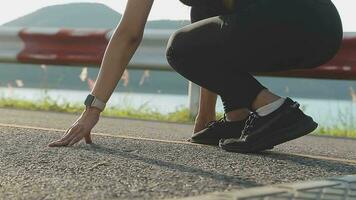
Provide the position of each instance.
(87, 47)
(65, 47)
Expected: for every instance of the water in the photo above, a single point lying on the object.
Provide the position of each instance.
(327, 112)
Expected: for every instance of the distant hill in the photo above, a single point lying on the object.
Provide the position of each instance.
(74, 15)
(82, 15)
(85, 15)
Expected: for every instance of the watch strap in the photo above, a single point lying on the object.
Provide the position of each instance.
(92, 101)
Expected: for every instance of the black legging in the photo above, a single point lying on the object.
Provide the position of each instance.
(219, 53)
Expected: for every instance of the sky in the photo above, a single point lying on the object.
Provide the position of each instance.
(162, 9)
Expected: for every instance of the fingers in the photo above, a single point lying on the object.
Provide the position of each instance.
(88, 139)
(73, 137)
(64, 141)
(80, 137)
(75, 140)
(61, 142)
(69, 133)
(80, 129)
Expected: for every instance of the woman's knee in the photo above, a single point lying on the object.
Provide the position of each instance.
(175, 49)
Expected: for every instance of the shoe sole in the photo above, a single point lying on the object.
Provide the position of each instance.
(302, 128)
(214, 143)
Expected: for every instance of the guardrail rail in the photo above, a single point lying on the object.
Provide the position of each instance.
(74, 47)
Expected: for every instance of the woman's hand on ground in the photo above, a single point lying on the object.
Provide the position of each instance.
(80, 129)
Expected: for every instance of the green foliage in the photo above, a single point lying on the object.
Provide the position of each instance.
(143, 112)
(45, 104)
(337, 132)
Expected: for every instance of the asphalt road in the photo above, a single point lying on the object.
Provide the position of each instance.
(118, 167)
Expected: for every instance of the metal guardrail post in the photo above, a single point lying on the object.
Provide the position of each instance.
(193, 99)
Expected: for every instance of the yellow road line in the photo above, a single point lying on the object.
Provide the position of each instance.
(322, 158)
(175, 142)
(100, 134)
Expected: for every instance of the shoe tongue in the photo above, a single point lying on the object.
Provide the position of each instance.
(288, 101)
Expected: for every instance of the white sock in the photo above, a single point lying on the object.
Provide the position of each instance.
(269, 108)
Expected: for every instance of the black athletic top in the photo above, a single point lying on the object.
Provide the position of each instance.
(218, 4)
(203, 2)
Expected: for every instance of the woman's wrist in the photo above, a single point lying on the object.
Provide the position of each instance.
(92, 110)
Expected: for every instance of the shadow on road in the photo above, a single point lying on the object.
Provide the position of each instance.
(332, 166)
(173, 166)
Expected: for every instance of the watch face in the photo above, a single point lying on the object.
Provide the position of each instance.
(89, 100)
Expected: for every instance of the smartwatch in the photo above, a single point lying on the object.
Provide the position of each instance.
(92, 101)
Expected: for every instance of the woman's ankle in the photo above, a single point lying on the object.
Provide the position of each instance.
(264, 98)
(237, 115)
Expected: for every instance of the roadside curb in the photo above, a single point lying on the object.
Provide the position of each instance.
(328, 189)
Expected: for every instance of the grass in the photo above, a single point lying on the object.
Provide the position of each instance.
(345, 129)
(143, 112)
(336, 132)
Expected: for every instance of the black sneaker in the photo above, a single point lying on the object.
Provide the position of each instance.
(217, 130)
(286, 123)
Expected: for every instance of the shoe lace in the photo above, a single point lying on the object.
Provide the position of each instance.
(249, 124)
(217, 123)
